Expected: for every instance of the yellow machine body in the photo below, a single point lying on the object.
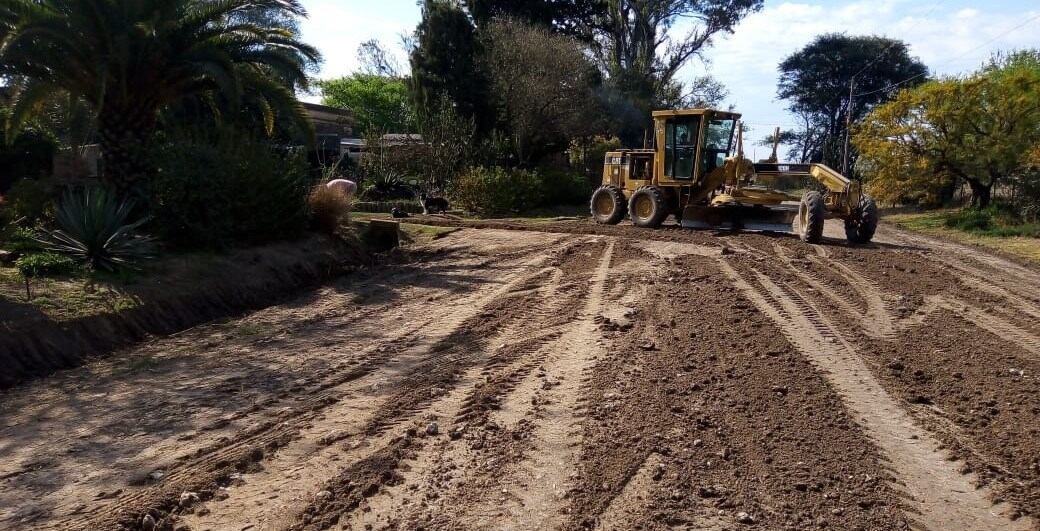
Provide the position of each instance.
(697, 168)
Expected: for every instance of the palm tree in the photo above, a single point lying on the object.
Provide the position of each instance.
(130, 60)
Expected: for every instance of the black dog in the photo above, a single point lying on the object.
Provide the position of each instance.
(433, 205)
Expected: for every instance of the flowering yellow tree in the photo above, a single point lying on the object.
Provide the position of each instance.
(978, 130)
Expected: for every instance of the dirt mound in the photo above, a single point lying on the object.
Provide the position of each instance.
(246, 280)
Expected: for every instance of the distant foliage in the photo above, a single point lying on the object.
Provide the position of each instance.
(444, 64)
(564, 187)
(98, 229)
(223, 188)
(543, 86)
(814, 81)
(379, 103)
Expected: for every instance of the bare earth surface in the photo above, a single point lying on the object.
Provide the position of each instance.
(567, 376)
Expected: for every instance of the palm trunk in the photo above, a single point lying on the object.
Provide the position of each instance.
(125, 132)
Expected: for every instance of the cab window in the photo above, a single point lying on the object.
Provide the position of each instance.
(718, 140)
(681, 146)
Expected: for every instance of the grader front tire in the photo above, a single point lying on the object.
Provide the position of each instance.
(811, 216)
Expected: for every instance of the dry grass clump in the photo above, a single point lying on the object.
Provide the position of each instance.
(329, 208)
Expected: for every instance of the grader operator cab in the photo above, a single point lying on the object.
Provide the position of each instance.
(697, 172)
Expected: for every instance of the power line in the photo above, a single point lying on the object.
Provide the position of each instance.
(948, 61)
(893, 42)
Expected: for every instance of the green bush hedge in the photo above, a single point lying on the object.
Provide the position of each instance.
(498, 191)
(565, 188)
(996, 220)
(223, 188)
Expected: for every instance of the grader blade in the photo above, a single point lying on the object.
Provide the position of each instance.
(740, 217)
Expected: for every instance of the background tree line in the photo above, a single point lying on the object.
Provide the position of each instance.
(524, 82)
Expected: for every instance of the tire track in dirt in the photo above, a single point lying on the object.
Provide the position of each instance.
(878, 320)
(311, 460)
(988, 264)
(996, 326)
(494, 471)
(538, 488)
(470, 402)
(531, 324)
(209, 466)
(945, 499)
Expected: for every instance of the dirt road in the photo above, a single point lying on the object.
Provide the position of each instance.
(567, 377)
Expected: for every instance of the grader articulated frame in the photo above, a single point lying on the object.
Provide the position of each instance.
(692, 173)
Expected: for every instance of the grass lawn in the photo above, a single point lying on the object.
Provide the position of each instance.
(1016, 240)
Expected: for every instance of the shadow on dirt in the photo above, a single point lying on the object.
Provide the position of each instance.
(181, 391)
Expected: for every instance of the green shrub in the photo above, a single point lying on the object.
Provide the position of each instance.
(30, 200)
(217, 189)
(999, 219)
(497, 191)
(562, 187)
(95, 228)
(21, 240)
(45, 264)
(971, 220)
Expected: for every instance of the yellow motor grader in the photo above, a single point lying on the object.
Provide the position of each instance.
(697, 172)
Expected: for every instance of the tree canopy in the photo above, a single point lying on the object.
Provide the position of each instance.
(575, 18)
(542, 86)
(642, 55)
(444, 63)
(379, 103)
(130, 60)
(979, 130)
(815, 81)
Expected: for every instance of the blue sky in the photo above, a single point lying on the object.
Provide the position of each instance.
(950, 36)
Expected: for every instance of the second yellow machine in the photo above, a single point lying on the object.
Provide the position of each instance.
(693, 173)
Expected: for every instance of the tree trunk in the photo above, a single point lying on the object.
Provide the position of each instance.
(125, 132)
(980, 193)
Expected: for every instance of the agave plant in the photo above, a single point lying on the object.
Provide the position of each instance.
(387, 185)
(95, 228)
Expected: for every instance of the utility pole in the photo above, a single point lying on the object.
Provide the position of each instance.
(848, 127)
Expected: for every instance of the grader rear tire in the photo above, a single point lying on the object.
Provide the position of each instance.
(811, 216)
(648, 207)
(860, 227)
(608, 205)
